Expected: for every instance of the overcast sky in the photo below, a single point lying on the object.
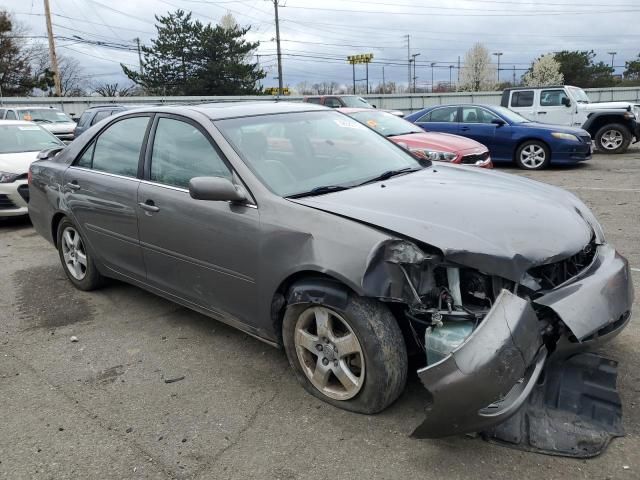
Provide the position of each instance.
(318, 35)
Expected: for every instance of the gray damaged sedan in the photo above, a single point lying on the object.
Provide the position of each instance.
(308, 230)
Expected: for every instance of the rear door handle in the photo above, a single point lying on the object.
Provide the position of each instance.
(73, 185)
(149, 206)
(542, 113)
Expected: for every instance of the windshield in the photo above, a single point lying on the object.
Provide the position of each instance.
(44, 115)
(355, 102)
(579, 94)
(510, 115)
(385, 123)
(25, 138)
(294, 153)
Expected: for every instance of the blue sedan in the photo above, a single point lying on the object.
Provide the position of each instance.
(509, 136)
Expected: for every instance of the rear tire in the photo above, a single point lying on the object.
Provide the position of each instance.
(363, 350)
(613, 138)
(76, 260)
(533, 155)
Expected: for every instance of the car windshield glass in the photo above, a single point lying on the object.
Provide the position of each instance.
(44, 115)
(385, 123)
(294, 153)
(510, 115)
(355, 102)
(25, 138)
(579, 94)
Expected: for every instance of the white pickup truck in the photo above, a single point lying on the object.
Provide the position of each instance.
(613, 125)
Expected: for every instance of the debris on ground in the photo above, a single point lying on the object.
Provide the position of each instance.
(73, 339)
(173, 380)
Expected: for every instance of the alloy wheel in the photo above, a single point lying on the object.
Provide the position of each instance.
(532, 156)
(74, 253)
(329, 353)
(611, 139)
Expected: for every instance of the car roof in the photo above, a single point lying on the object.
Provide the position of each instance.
(34, 108)
(221, 110)
(348, 110)
(546, 87)
(108, 106)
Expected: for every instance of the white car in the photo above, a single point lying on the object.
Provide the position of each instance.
(52, 119)
(20, 143)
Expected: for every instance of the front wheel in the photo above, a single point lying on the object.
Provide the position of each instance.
(355, 359)
(614, 138)
(533, 155)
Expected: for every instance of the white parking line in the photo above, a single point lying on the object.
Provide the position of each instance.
(604, 189)
(635, 269)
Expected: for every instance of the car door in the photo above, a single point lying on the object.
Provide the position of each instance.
(554, 107)
(476, 124)
(523, 102)
(441, 119)
(101, 191)
(204, 252)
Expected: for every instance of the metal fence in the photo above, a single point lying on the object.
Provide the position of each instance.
(406, 102)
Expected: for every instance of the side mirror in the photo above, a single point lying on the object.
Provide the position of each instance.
(49, 153)
(498, 121)
(215, 188)
(566, 102)
(374, 106)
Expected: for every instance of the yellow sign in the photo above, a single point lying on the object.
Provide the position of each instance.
(274, 91)
(363, 58)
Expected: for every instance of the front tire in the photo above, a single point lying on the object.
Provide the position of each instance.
(354, 359)
(613, 138)
(533, 155)
(76, 260)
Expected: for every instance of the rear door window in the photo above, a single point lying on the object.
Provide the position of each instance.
(180, 152)
(101, 115)
(332, 102)
(522, 99)
(85, 118)
(315, 100)
(11, 115)
(117, 149)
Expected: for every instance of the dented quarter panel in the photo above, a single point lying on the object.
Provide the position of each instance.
(598, 297)
(482, 370)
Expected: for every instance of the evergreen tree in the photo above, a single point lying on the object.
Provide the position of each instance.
(189, 58)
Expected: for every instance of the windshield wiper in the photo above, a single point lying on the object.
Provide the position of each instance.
(390, 173)
(42, 120)
(319, 191)
(398, 134)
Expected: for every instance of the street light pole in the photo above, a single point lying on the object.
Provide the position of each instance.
(613, 55)
(498, 54)
(414, 70)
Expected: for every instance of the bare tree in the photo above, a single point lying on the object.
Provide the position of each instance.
(114, 90)
(73, 81)
(545, 71)
(477, 72)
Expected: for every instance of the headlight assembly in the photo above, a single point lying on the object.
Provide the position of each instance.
(6, 177)
(434, 155)
(565, 136)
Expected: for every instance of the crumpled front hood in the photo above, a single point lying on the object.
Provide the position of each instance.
(17, 162)
(498, 223)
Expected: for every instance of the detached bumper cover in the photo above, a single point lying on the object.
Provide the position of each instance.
(485, 380)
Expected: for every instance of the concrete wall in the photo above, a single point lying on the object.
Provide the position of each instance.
(404, 102)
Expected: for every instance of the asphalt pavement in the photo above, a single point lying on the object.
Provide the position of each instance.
(153, 390)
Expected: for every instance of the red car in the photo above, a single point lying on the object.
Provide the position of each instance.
(441, 147)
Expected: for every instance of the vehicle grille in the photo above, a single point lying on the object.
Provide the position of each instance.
(6, 203)
(471, 159)
(553, 274)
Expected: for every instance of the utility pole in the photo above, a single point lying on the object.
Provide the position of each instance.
(498, 54)
(408, 62)
(383, 82)
(275, 6)
(52, 50)
(354, 77)
(366, 66)
(414, 70)
(433, 64)
(514, 75)
(457, 84)
(450, 76)
(137, 39)
(613, 55)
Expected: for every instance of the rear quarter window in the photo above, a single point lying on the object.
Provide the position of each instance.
(522, 99)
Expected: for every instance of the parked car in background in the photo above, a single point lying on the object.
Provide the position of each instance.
(351, 101)
(509, 136)
(93, 115)
(20, 143)
(613, 125)
(349, 256)
(440, 147)
(52, 119)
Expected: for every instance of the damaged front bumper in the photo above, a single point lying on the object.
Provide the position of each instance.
(489, 377)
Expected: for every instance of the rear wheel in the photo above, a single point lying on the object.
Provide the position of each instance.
(613, 138)
(354, 359)
(533, 155)
(76, 260)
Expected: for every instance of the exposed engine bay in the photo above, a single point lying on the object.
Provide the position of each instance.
(486, 340)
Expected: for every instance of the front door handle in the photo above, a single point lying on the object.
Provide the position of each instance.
(73, 185)
(149, 206)
(542, 113)
(464, 129)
